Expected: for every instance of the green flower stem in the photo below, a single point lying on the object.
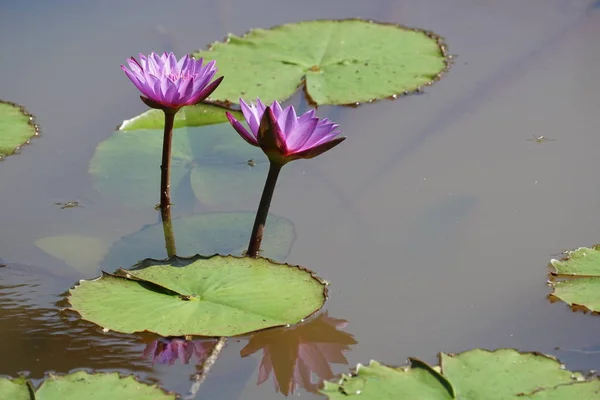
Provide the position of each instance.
(165, 214)
(200, 376)
(165, 167)
(263, 210)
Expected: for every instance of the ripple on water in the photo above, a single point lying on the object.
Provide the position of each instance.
(36, 337)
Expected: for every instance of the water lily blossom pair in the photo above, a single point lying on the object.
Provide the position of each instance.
(168, 84)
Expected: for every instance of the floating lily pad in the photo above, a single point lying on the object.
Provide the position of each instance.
(577, 279)
(208, 163)
(196, 115)
(503, 374)
(15, 389)
(210, 233)
(16, 128)
(206, 296)
(336, 62)
(82, 385)
(379, 382)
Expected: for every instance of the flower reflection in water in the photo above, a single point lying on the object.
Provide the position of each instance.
(170, 350)
(294, 354)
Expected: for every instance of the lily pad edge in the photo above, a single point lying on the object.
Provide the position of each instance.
(31, 121)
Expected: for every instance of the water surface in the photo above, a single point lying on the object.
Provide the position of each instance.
(434, 221)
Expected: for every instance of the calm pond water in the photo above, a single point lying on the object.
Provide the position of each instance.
(434, 221)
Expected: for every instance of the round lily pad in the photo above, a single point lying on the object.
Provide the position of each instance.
(209, 233)
(503, 374)
(197, 115)
(214, 296)
(209, 163)
(576, 279)
(16, 128)
(334, 61)
(83, 385)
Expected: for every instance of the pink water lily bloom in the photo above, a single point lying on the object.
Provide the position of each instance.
(284, 136)
(166, 83)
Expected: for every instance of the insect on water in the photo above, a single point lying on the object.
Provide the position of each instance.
(251, 163)
(540, 139)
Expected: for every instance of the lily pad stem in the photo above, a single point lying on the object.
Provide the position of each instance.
(165, 166)
(263, 210)
(165, 214)
(200, 376)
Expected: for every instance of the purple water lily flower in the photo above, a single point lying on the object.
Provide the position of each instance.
(284, 136)
(170, 84)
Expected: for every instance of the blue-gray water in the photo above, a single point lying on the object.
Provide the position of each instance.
(434, 220)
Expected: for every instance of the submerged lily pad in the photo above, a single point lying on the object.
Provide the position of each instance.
(577, 279)
(196, 115)
(16, 128)
(210, 233)
(205, 296)
(80, 252)
(503, 374)
(209, 163)
(336, 62)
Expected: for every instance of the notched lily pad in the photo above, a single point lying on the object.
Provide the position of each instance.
(576, 279)
(204, 296)
(197, 115)
(379, 382)
(83, 385)
(503, 374)
(209, 164)
(17, 127)
(335, 61)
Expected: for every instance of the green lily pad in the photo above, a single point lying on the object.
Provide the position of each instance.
(83, 385)
(205, 296)
(576, 279)
(503, 374)
(379, 382)
(336, 62)
(208, 163)
(197, 115)
(16, 128)
(15, 389)
(210, 233)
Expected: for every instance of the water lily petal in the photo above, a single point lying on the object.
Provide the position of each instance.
(239, 128)
(303, 132)
(252, 115)
(319, 149)
(277, 110)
